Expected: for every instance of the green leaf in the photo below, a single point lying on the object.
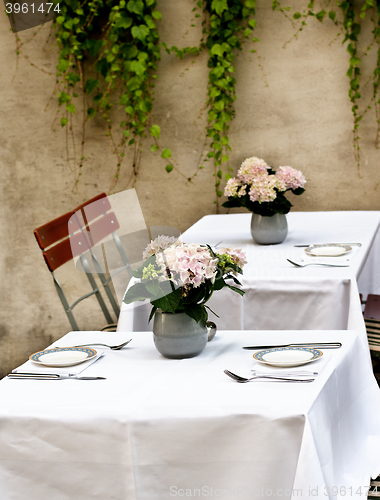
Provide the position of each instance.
(135, 6)
(169, 302)
(157, 15)
(123, 22)
(320, 15)
(217, 50)
(138, 67)
(225, 158)
(64, 121)
(166, 153)
(70, 108)
(354, 61)
(219, 6)
(169, 168)
(154, 148)
(140, 32)
(296, 15)
(91, 112)
(332, 15)
(63, 65)
(155, 131)
(63, 97)
(129, 110)
(137, 292)
(154, 309)
(219, 105)
(91, 85)
(153, 287)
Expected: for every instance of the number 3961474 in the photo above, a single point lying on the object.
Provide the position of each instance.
(25, 8)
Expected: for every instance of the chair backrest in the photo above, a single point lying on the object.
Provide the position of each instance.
(56, 230)
(91, 209)
(66, 250)
(61, 240)
(98, 223)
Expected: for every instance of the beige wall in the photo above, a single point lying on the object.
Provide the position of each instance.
(293, 110)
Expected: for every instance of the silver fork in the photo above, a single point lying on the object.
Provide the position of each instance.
(317, 264)
(113, 347)
(242, 379)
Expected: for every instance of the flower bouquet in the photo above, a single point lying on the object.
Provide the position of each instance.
(261, 190)
(177, 277)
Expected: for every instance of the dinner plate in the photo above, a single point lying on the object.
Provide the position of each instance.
(328, 250)
(288, 356)
(63, 356)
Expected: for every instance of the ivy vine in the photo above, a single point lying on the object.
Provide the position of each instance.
(109, 51)
(120, 43)
(351, 26)
(227, 25)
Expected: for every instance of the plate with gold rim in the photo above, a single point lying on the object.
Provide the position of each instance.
(63, 356)
(287, 356)
(328, 250)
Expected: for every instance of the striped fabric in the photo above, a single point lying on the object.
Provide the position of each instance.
(373, 333)
(374, 490)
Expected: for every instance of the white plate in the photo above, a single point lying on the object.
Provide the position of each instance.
(63, 356)
(287, 356)
(328, 250)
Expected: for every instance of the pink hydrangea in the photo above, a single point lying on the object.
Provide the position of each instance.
(250, 168)
(232, 187)
(263, 188)
(292, 178)
(237, 255)
(159, 244)
(187, 264)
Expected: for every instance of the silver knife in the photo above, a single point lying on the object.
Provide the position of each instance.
(312, 244)
(320, 345)
(49, 376)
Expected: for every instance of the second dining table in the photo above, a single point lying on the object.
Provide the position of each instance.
(279, 295)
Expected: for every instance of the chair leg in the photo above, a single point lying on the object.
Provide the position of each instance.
(65, 304)
(99, 297)
(106, 286)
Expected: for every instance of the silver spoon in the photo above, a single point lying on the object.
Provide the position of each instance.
(242, 379)
(317, 264)
(113, 347)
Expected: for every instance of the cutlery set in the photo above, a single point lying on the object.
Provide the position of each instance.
(270, 377)
(297, 376)
(50, 376)
(311, 244)
(59, 376)
(316, 345)
(316, 264)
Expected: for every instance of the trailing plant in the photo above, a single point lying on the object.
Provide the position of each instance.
(110, 49)
(351, 27)
(227, 25)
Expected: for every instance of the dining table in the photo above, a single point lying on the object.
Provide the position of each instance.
(154, 428)
(278, 294)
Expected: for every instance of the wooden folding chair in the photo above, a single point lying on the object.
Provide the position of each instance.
(97, 222)
(61, 240)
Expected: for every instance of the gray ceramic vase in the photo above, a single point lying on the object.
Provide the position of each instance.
(177, 336)
(269, 230)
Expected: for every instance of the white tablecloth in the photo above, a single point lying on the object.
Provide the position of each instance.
(158, 428)
(279, 295)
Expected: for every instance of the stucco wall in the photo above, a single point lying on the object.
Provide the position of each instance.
(292, 110)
